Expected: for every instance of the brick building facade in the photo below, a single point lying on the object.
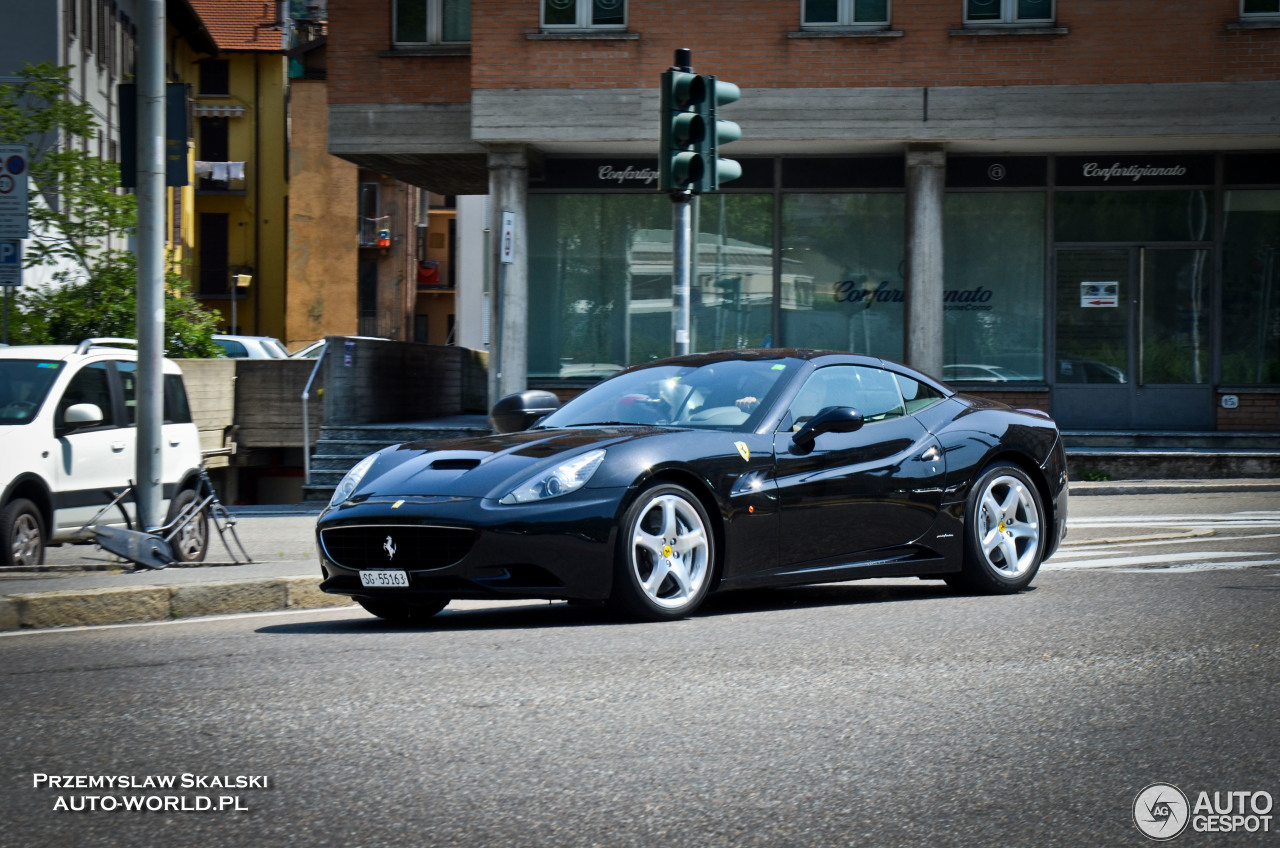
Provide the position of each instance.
(1076, 202)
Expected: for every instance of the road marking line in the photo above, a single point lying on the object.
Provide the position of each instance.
(1203, 566)
(1158, 559)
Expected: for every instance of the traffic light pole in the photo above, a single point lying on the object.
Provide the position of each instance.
(147, 488)
(681, 269)
(688, 165)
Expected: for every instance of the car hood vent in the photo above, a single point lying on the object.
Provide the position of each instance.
(455, 464)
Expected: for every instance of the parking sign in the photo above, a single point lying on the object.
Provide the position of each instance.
(13, 191)
(10, 262)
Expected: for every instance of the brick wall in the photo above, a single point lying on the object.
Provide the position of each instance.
(361, 72)
(1109, 42)
(1257, 413)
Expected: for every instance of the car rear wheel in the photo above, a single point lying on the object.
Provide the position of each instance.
(191, 542)
(404, 611)
(666, 553)
(23, 528)
(1004, 532)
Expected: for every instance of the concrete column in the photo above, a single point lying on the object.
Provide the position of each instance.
(926, 188)
(509, 339)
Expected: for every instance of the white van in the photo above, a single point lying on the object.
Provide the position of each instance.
(68, 430)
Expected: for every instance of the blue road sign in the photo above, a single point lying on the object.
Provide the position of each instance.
(10, 262)
(14, 223)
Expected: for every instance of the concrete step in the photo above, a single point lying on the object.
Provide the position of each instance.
(341, 447)
(349, 447)
(1172, 440)
(1100, 464)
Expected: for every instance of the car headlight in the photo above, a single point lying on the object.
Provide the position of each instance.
(568, 476)
(353, 478)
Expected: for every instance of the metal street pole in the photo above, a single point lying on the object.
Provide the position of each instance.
(681, 268)
(151, 210)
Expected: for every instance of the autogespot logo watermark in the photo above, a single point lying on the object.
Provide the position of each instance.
(1162, 812)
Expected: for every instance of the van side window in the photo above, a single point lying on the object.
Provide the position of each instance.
(89, 385)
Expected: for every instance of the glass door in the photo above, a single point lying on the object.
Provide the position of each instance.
(1133, 339)
(1172, 381)
(1091, 368)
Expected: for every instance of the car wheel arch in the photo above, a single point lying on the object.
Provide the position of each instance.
(698, 487)
(31, 487)
(189, 480)
(1028, 467)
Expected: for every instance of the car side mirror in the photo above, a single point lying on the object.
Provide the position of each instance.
(521, 411)
(82, 415)
(832, 419)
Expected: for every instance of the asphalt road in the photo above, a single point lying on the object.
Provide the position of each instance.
(885, 713)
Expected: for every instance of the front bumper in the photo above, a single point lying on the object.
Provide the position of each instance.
(561, 549)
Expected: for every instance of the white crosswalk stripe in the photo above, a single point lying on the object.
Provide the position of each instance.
(1197, 540)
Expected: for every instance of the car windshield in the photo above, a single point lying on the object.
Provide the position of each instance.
(275, 349)
(731, 394)
(24, 384)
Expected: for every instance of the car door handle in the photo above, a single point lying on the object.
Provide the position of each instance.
(117, 447)
(932, 454)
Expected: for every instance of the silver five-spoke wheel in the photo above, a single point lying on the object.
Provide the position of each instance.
(1004, 532)
(667, 554)
(1009, 526)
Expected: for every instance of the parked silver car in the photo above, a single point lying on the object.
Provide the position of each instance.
(251, 347)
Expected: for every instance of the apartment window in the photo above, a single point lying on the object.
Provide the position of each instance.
(370, 220)
(846, 13)
(104, 34)
(584, 14)
(215, 77)
(1008, 12)
(432, 21)
(86, 17)
(1260, 8)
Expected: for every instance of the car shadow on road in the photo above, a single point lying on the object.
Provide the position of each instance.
(526, 615)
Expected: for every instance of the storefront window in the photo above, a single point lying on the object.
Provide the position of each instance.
(600, 280)
(1251, 288)
(994, 299)
(1133, 216)
(842, 266)
(732, 297)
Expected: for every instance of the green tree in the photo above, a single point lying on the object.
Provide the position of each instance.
(77, 209)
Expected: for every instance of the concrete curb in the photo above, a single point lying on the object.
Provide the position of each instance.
(91, 607)
(1171, 487)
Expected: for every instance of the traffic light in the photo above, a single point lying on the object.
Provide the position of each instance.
(684, 130)
(717, 132)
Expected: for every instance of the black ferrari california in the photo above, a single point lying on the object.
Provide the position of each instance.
(705, 473)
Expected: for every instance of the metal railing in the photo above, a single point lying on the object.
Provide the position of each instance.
(306, 418)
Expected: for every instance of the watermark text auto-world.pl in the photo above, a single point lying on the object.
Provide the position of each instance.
(186, 792)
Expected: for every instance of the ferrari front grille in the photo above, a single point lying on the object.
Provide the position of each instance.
(396, 546)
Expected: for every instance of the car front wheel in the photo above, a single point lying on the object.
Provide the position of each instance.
(23, 529)
(192, 541)
(666, 553)
(1004, 532)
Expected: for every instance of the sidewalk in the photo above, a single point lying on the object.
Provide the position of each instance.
(84, 586)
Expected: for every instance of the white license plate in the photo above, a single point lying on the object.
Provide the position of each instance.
(384, 577)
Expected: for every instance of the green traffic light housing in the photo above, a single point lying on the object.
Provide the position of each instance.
(719, 132)
(691, 133)
(684, 129)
